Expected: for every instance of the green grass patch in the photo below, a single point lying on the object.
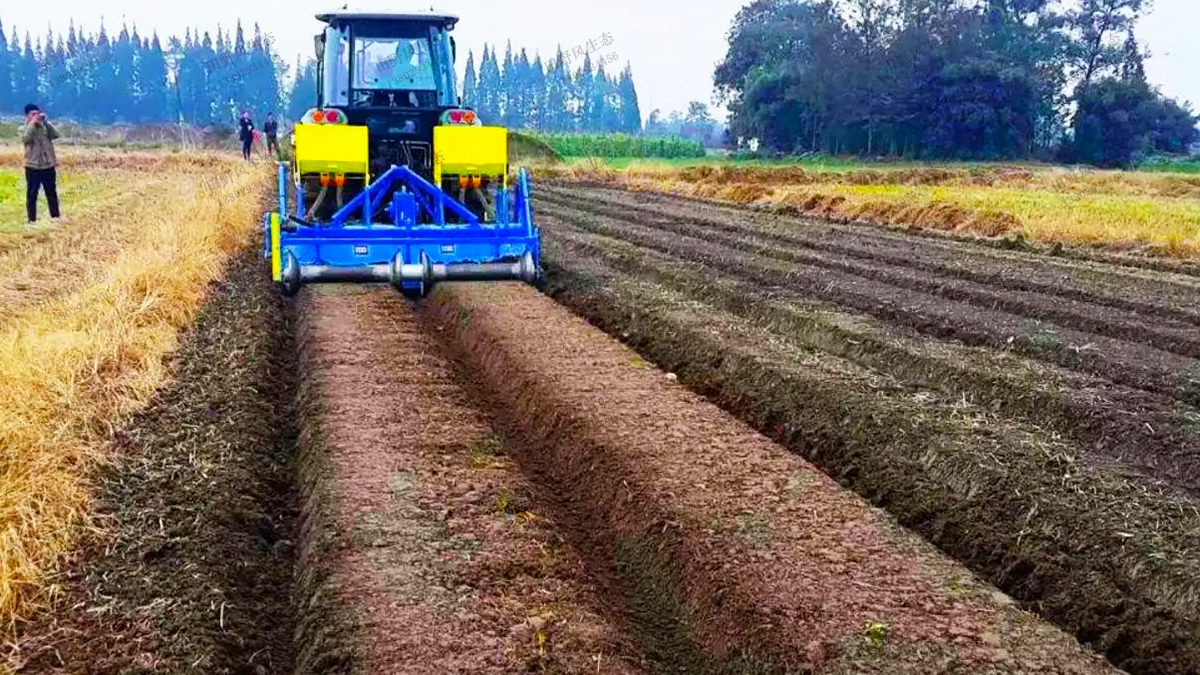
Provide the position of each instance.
(1171, 165)
(75, 190)
(10, 185)
(12, 200)
(621, 146)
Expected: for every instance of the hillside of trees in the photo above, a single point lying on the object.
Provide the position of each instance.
(949, 79)
(203, 80)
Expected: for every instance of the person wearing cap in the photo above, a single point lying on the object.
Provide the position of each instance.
(41, 164)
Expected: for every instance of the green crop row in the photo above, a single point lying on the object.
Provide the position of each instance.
(621, 145)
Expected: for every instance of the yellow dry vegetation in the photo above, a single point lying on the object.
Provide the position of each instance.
(1118, 210)
(75, 363)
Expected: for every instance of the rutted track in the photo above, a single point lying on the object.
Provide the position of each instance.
(1156, 357)
(867, 350)
(690, 543)
(425, 550)
(1137, 375)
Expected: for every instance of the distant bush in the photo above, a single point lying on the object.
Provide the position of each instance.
(620, 146)
(1171, 164)
(524, 146)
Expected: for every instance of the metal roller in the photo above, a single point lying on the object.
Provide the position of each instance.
(397, 272)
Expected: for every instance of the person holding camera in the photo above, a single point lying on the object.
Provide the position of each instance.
(41, 164)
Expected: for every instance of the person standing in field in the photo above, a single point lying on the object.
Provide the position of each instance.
(246, 133)
(271, 129)
(41, 163)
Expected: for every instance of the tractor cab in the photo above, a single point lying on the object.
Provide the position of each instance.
(393, 73)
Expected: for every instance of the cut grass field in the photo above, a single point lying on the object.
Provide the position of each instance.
(1143, 212)
(89, 309)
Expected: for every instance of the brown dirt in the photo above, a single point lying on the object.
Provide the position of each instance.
(1139, 430)
(428, 552)
(1006, 488)
(191, 569)
(828, 209)
(956, 258)
(1140, 342)
(764, 563)
(1120, 345)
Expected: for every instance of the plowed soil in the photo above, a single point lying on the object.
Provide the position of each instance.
(730, 554)
(1036, 417)
(427, 551)
(480, 499)
(484, 483)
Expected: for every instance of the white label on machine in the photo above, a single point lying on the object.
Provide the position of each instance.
(360, 249)
(448, 249)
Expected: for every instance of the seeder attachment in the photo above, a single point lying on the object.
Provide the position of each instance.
(427, 237)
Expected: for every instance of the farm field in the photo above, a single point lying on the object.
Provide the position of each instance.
(1035, 417)
(88, 308)
(228, 481)
(1136, 213)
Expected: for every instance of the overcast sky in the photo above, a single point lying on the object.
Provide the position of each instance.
(672, 45)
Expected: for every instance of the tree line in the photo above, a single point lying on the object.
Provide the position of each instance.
(140, 80)
(521, 93)
(949, 79)
(202, 80)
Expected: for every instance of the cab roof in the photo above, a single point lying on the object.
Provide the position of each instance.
(347, 13)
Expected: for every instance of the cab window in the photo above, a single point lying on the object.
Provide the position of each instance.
(394, 63)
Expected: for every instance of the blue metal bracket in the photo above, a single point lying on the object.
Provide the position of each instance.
(419, 247)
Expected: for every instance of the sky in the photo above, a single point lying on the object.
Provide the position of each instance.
(672, 46)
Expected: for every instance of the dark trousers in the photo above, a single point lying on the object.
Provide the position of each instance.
(273, 144)
(246, 142)
(41, 179)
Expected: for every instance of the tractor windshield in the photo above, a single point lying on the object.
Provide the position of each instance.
(394, 63)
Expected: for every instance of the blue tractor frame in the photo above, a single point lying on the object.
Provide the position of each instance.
(418, 249)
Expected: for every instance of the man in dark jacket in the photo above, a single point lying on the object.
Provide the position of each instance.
(271, 129)
(41, 163)
(246, 133)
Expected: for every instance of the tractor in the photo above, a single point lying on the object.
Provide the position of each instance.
(391, 179)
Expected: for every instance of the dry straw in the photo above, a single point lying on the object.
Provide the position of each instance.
(1114, 209)
(72, 368)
